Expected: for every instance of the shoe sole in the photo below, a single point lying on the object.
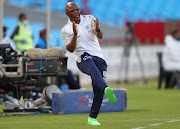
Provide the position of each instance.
(92, 125)
(110, 95)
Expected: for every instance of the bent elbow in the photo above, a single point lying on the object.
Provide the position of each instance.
(70, 50)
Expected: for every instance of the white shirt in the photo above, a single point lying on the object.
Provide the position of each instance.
(7, 40)
(171, 54)
(86, 39)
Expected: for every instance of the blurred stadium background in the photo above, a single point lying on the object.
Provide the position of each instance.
(152, 20)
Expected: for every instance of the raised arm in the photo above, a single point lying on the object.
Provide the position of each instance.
(72, 45)
(98, 32)
(70, 42)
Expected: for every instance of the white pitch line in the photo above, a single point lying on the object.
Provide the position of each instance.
(156, 124)
(173, 120)
(139, 128)
(169, 120)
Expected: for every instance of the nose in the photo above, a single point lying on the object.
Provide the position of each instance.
(76, 11)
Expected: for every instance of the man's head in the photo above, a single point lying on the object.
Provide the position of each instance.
(4, 31)
(42, 33)
(176, 33)
(73, 12)
(23, 18)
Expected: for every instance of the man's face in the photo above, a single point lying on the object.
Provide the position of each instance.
(73, 12)
(43, 34)
(24, 18)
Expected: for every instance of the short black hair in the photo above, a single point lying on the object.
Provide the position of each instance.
(21, 15)
(4, 28)
(175, 31)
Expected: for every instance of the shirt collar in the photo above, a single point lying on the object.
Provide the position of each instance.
(81, 20)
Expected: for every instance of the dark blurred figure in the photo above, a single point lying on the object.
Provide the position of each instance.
(22, 34)
(129, 39)
(128, 43)
(6, 39)
(42, 39)
(70, 79)
(171, 52)
(171, 58)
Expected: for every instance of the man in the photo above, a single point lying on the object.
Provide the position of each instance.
(171, 54)
(171, 59)
(129, 39)
(22, 35)
(80, 36)
(42, 39)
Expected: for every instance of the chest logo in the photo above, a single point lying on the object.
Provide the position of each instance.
(87, 27)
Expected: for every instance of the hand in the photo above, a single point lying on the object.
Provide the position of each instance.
(96, 24)
(75, 30)
(23, 41)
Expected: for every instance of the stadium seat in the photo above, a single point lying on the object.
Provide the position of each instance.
(39, 3)
(132, 10)
(129, 4)
(110, 18)
(177, 16)
(56, 39)
(58, 5)
(116, 4)
(13, 1)
(79, 3)
(93, 4)
(25, 2)
(99, 12)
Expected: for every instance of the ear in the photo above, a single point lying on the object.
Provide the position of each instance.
(67, 14)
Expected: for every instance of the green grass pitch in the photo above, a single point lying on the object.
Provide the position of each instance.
(148, 108)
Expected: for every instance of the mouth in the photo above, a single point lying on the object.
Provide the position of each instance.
(77, 16)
